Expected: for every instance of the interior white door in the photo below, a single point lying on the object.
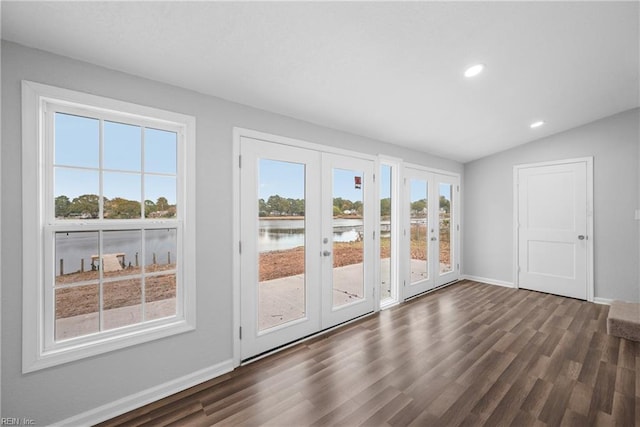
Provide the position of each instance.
(347, 238)
(280, 242)
(552, 228)
(431, 230)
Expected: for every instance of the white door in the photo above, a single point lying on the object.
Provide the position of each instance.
(431, 230)
(306, 260)
(347, 238)
(279, 262)
(553, 239)
(447, 269)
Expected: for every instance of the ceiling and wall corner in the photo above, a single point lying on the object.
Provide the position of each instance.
(392, 71)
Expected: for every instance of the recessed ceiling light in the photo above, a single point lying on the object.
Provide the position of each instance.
(474, 70)
(536, 124)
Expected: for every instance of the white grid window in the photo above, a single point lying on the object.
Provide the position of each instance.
(106, 184)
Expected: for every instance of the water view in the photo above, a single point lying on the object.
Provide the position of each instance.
(282, 234)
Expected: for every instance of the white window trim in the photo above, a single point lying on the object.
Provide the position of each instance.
(35, 355)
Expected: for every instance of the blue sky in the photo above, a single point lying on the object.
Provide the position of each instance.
(419, 190)
(77, 145)
(287, 180)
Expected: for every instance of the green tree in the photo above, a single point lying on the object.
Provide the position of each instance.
(385, 207)
(85, 205)
(336, 211)
(122, 208)
(262, 208)
(445, 204)
(62, 206)
(162, 203)
(149, 207)
(419, 206)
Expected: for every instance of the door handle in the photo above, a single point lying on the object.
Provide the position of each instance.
(581, 237)
(326, 253)
(434, 238)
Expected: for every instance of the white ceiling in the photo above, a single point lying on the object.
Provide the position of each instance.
(390, 71)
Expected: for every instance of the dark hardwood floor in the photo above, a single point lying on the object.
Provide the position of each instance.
(468, 354)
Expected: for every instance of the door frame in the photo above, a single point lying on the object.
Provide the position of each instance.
(589, 242)
(238, 134)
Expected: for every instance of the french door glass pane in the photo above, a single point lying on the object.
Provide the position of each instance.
(348, 244)
(419, 230)
(385, 232)
(281, 243)
(445, 227)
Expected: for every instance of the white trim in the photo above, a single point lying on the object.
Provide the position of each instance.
(263, 136)
(396, 165)
(488, 281)
(590, 211)
(150, 395)
(603, 301)
(235, 233)
(430, 169)
(39, 348)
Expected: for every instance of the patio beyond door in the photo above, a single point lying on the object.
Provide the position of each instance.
(306, 242)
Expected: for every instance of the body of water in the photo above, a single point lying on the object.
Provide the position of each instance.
(281, 234)
(73, 247)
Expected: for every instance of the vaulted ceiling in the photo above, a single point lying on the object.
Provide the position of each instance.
(392, 71)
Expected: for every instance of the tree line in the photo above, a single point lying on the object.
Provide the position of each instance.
(280, 206)
(88, 206)
(420, 206)
(277, 205)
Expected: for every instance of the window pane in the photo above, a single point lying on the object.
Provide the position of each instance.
(76, 257)
(77, 141)
(281, 286)
(120, 253)
(160, 296)
(161, 250)
(348, 244)
(122, 303)
(77, 311)
(385, 232)
(419, 236)
(445, 227)
(160, 196)
(76, 194)
(122, 146)
(122, 193)
(160, 151)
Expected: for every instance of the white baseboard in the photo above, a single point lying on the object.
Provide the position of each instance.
(134, 401)
(488, 281)
(605, 301)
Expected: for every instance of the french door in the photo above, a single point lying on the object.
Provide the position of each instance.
(306, 242)
(431, 230)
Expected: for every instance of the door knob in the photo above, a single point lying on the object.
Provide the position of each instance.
(326, 253)
(581, 237)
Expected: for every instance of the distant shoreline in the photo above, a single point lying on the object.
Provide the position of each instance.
(275, 218)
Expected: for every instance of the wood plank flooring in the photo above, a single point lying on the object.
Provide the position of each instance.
(469, 354)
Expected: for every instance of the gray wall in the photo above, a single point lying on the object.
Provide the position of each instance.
(57, 393)
(488, 205)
